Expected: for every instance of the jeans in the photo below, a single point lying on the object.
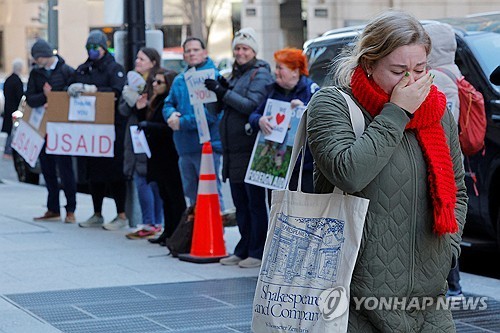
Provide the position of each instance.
(189, 166)
(150, 201)
(252, 218)
(50, 165)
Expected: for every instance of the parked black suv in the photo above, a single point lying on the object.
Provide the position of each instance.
(478, 54)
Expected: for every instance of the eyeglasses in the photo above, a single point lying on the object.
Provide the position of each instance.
(159, 82)
(92, 47)
(244, 35)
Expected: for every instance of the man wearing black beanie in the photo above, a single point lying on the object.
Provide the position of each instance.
(51, 73)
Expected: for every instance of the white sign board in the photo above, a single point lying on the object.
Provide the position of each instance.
(36, 117)
(139, 142)
(80, 139)
(27, 142)
(201, 123)
(82, 108)
(280, 114)
(195, 82)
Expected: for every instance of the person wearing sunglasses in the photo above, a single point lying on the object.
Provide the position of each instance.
(100, 72)
(241, 95)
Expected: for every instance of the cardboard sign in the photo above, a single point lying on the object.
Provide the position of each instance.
(27, 142)
(195, 82)
(82, 108)
(281, 114)
(139, 141)
(58, 107)
(269, 161)
(80, 139)
(201, 123)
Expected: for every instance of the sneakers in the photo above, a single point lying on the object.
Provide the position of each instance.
(250, 263)
(93, 222)
(70, 218)
(144, 233)
(230, 261)
(116, 224)
(48, 216)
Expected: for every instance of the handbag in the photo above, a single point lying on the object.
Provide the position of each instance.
(309, 255)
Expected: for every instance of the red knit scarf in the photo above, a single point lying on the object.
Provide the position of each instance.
(431, 137)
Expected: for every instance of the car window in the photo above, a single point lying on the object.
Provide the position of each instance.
(486, 49)
(320, 59)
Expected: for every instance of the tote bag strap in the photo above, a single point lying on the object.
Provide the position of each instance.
(299, 145)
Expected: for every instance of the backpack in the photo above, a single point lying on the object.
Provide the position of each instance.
(472, 116)
(180, 241)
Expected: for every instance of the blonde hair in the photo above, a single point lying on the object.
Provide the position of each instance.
(381, 36)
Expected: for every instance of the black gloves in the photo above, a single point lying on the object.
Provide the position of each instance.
(216, 87)
(222, 80)
(142, 125)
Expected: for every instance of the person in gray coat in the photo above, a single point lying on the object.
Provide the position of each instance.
(241, 95)
(407, 162)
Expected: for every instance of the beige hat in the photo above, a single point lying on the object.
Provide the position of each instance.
(246, 36)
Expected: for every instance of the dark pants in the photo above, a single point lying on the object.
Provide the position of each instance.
(252, 218)
(50, 165)
(174, 205)
(118, 190)
(454, 280)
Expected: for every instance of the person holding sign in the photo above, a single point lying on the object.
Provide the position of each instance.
(100, 72)
(179, 114)
(133, 104)
(245, 90)
(291, 85)
(51, 73)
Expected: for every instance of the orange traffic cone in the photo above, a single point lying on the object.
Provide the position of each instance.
(208, 242)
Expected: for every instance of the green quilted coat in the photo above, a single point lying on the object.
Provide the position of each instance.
(400, 256)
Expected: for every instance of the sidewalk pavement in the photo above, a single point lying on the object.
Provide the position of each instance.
(54, 256)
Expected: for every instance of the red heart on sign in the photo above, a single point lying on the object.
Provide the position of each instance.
(279, 118)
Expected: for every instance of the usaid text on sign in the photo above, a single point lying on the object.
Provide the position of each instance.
(80, 139)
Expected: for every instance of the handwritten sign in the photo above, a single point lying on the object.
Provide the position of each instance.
(82, 108)
(139, 141)
(280, 119)
(27, 142)
(80, 139)
(36, 117)
(201, 122)
(195, 82)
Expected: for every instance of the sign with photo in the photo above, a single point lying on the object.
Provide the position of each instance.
(269, 161)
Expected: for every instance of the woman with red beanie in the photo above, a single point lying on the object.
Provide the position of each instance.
(407, 162)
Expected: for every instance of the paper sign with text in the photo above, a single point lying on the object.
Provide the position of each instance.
(82, 108)
(27, 142)
(201, 123)
(80, 139)
(36, 117)
(195, 82)
(279, 112)
(269, 161)
(139, 142)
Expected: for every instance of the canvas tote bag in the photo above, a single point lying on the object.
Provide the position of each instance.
(309, 256)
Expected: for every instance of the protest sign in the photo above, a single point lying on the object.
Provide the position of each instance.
(135, 81)
(195, 82)
(201, 122)
(80, 139)
(27, 142)
(139, 141)
(82, 108)
(269, 160)
(36, 117)
(279, 112)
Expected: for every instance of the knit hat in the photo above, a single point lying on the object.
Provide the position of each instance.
(98, 37)
(41, 49)
(246, 36)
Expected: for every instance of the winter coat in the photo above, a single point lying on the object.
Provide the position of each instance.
(132, 162)
(247, 90)
(303, 91)
(442, 56)
(400, 255)
(13, 91)
(58, 79)
(186, 138)
(108, 76)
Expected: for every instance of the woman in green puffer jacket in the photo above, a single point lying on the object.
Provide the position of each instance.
(407, 162)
